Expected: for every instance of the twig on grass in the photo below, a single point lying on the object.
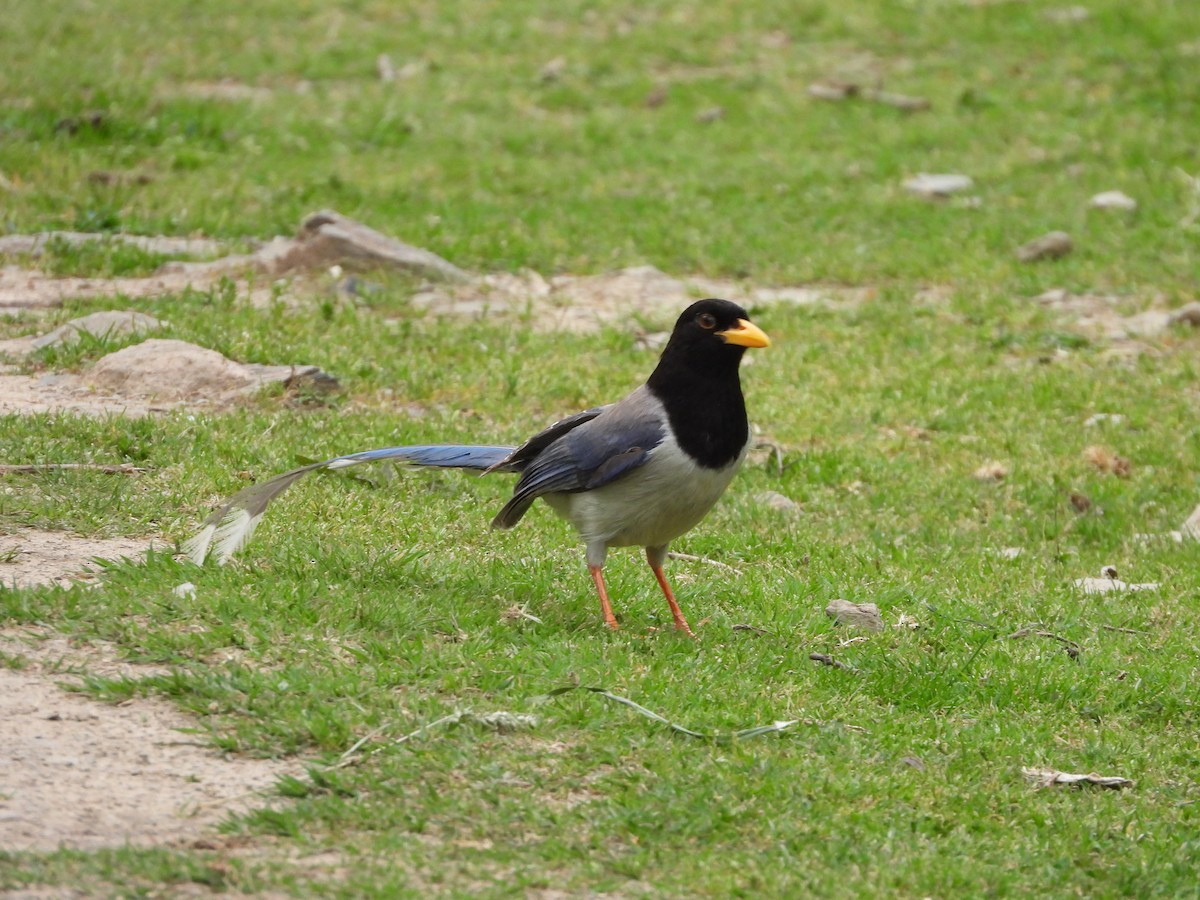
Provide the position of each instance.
(741, 626)
(826, 659)
(756, 731)
(500, 720)
(348, 758)
(507, 721)
(1123, 630)
(687, 557)
(840, 90)
(1073, 649)
(776, 453)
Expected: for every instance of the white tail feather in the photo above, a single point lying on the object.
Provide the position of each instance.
(228, 529)
(196, 547)
(233, 532)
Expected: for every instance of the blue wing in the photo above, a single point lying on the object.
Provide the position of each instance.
(589, 455)
(532, 448)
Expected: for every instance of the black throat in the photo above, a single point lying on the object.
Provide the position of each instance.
(702, 395)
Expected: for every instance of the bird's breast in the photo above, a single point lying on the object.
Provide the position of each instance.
(652, 505)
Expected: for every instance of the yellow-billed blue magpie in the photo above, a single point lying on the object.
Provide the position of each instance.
(638, 472)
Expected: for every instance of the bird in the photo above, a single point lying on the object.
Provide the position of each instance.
(638, 472)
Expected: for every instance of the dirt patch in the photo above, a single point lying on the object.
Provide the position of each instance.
(24, 289)
(81, 774)
(62, 394)
(29, 558)
(36, 244)
(585, 303)
(1099, 316)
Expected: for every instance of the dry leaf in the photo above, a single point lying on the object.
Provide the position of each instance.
(1081, 502)
(1107, 461)
(1051, 777)
(991, 471)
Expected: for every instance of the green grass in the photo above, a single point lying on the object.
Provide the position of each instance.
(375, 605)
(478, 158)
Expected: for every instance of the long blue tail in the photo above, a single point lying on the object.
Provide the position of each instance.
(228, 529)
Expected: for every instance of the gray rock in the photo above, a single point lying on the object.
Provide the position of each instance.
(855, 615)
(1054, 245)
(938, 186)
(1067, 15)
(1191, 528)
(777, 501)
(553, 70)
(1113, 200)
(329, 239)
(107, 324)
(167, 370)
(1188, 314)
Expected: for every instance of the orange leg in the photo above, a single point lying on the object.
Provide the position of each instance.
(676, 612)
(605, 607)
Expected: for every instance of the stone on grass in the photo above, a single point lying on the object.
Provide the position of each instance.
(1108, 583)
(1188, 314)
(855, 615)
(938, 186)
(777, 501)
(168, 370)
(107, 324)
(1113, 200)
(327, 239)
(1191, 528)
(1067, 15)
(1054, 245)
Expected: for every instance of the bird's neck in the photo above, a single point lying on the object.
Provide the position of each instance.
(705, 408)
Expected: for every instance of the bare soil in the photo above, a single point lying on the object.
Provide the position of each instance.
(78, 773)
(29, 557)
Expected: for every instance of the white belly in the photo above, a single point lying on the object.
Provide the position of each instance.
(652, 505)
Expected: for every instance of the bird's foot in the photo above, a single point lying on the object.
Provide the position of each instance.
(682, 625)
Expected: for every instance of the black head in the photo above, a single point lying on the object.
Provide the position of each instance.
(713, 333)
(697, 380)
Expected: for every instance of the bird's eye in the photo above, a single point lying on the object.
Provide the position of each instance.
(707, 321)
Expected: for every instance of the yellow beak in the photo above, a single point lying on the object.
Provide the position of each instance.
(746, 334)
